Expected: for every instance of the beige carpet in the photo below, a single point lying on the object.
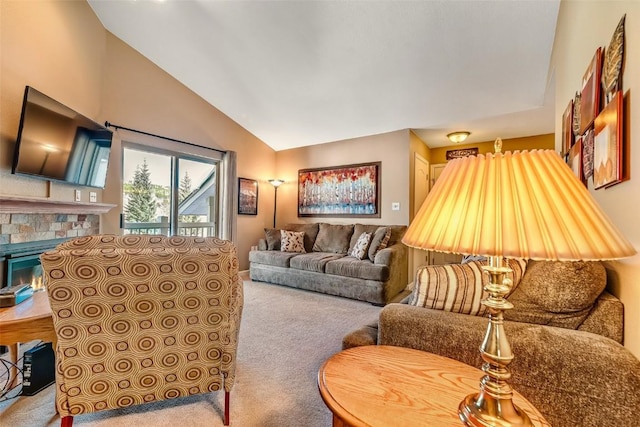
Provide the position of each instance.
(286, 334)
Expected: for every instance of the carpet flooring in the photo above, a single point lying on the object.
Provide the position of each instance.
(285, 335)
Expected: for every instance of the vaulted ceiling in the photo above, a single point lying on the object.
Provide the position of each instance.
(298, 73)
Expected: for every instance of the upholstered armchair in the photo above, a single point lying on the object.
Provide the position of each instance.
(142, 319)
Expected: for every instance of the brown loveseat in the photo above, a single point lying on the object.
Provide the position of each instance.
(566, 333)
(141, 319)
(326, 266)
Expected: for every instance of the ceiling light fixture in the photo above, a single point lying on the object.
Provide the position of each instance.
(458, 137)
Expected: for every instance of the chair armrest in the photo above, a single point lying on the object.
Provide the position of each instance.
(572, 377)
(367, 335)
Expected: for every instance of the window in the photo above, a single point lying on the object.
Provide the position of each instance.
(169, 192)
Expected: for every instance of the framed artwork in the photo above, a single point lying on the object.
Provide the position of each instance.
(590, 97)
(247, 196)
(340, 191)
(587, 155)
(612, 63)
(607, 147)
(567, 128)
(463, 152)
(574, 159)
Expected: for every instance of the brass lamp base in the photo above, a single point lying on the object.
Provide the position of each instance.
(487, 411)
(493, 405)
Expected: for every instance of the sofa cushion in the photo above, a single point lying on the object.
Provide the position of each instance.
(557, 293)
(310, 233)
(360, 269)
(292, 241)
(275, 258)
(273, 238)
(457, 287)
(379, 241)
(314, 261)
(361, 248)
(333, 238)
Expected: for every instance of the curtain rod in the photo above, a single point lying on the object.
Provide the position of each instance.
(107, 124)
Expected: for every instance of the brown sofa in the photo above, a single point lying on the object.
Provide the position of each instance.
(566, 333)
(326, 266)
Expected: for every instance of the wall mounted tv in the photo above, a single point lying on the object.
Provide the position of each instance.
(56, 143)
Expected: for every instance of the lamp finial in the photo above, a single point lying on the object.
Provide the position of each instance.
(497, 146)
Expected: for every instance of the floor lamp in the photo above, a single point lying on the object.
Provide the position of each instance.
(525, 204)
(276, 183)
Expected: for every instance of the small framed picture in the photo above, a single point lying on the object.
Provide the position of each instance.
(590, 98)
(574, 159)
(587, 154)
(462, 152)
(567, 128)
(247, 196)
(607, 147)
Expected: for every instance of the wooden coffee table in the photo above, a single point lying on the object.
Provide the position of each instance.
(30, 320)
(396, 386)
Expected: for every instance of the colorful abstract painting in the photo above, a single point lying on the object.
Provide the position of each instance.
(350, 190)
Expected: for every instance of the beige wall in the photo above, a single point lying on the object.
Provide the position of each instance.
(538, 142)
(61, 49)
(582, 28)
(392, 149)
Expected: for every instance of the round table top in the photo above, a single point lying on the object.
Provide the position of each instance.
(36, 307)
(396, 386)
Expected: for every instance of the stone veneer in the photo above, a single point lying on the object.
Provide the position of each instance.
(20, 228)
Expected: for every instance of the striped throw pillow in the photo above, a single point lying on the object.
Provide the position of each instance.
(457, 287)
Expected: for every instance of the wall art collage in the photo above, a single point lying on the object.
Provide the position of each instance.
(592, 123)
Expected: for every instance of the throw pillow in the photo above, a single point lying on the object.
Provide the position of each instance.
(272, 236)
(360, 249)
(558, 293)
(292, 241)
(457, 287)
(379, 241)
(310, 233)
(333, 238)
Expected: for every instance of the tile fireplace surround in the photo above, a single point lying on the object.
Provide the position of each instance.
(31, 226)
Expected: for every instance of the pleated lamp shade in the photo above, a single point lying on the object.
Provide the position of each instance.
(522, 204)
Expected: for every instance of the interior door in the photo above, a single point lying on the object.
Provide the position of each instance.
(421, 187)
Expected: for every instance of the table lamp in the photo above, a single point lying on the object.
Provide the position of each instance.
(525, 204)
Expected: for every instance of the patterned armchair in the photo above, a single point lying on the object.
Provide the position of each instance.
(142, 319)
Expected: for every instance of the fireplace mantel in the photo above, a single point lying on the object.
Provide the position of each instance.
(25, 205)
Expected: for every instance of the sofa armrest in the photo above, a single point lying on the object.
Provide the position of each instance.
(396, 258)
(572, 377)
(262, 244)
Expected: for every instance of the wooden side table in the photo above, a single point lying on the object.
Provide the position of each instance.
(396, 386)
(27, 321)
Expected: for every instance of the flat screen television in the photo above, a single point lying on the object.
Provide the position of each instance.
(56, 143)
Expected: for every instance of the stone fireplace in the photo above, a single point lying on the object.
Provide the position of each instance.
(24, 236)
